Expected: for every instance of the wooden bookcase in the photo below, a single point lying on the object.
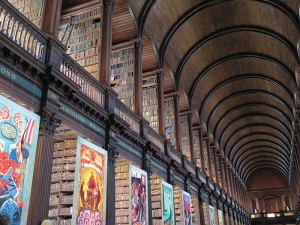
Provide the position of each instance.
(62, 181)
(156, 199)
(205, 157)
(150, 108)
(195, 210)
(197, 148)
(178, 205)
(185, 137)
(206, 213)
(122, 75)
(32, 9)
(122, 191)
(170, 120)
(80, 31)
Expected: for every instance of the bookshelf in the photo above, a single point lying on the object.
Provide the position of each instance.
(122, 191)
(81, 34)
(150, 107)
(197, 148)
(32, 9)
(170, 120)
(62, 182)
(122, 75)
(178, 206)
(205, 158)
(195, 210)
(156, 199)
(206, 213)
(212, 165)
(185, 137)
(218, 166)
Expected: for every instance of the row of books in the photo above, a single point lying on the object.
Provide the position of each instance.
(122, 55)
(64, 186)
(197, 149)
(83, 16)
(185, 137)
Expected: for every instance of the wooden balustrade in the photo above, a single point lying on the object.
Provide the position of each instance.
(88, 84)
(176, 155)
(190, 167)
(155, 138)
(21, 31)
(127, 115)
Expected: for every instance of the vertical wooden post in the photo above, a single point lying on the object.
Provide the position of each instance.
(40, 192)
(105, 59)
(138, 95)
(51, 17)
(191, 138)
(160, 103)
(177, 122)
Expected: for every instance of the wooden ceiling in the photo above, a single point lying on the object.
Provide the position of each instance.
(235, 60)
(232, 63)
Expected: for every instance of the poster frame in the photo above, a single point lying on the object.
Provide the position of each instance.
(31, 160)
(85, 142)
(134, 168)
(187, 194)
(164, 183)
(210, 207)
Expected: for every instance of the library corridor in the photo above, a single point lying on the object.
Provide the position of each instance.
(149, 112)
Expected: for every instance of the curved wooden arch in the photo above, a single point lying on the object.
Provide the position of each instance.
(243, 28)
(258, 155)
(271, 135)
(257, 144)
(251, 126)
(143, 16)
(242, 77)
(238, 94)
(236, 56)
(250, 151)
(264, 167)
(246, 172)
(252, 116)
(265, 106)
(208, 3)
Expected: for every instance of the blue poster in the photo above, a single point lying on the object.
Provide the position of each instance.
(167, 204)
(18, 138)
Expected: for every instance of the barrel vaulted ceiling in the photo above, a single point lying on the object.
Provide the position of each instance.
(236, 61)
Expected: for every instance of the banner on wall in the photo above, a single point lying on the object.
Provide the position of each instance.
(211, 215)
(138, 196)
(167, 204)
(220, 216)
(91, 180)
(186, 199)
(18, 139)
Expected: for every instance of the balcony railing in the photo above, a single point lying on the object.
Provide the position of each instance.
(20, 30)
(88, 84)
(272, 215)
(127, 115)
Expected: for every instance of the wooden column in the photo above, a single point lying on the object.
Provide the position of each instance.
(216, 165)
(105, 59)
(138, 95)
(191, 137)
(177, 122)
(209, 158)
(110, 145)
(160, 103)
(51, 17)
(40, 192)
(201, 149)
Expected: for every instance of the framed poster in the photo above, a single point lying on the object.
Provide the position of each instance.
(186, 199)
(211, 215)
(90, 184)
(18, 140)
(220, 216)
(167, 204)
(138, 196)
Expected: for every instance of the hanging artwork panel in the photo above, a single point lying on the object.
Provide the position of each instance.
(138, 196)
(167, 204)
(90, 184)
(212, 215)
(18, 141)
(186, 199)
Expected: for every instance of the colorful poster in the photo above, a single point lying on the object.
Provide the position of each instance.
(211, 215)
(91, 177)
(167, 204)
(138, 196)
(186, 198)
(220, 216)
(18, 139)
